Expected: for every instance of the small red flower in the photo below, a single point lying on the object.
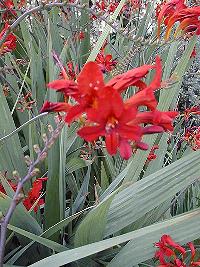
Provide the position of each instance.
(105, 62)
(169, 253)
(191, 111)
(10, 42)
(152, 155)
(34, 194)
(26, 103)
(10, 12)
(135, 3)
(9, 6)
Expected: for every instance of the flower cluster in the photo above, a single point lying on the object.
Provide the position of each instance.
(10, 42)
(34, 195)
(171, 254)
(105, 61)
(8, 6)
(105, 114)
(176, 11)
(26, 103)
(152, 154)
(192, 136)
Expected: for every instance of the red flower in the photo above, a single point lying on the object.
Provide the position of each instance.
(101, 5)
(89, 86)
(189, 21)
(34, 194)
(135, 3)
(192, 136)
(166, 250)
(106, 114)
(166, 10)
(112, 121)
(191, 111)
(10, 42)
(105, 62)
(151, 155)
(9, 6)
(167, 253)
(9, 13)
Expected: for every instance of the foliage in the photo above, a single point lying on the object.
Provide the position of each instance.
(95, 209)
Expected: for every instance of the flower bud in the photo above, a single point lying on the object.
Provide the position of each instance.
(1, 215)
(27, 160)
(36, 148)
(50, 128)
(45, 138)
(19, 197)
(16, 175)
(35, 172)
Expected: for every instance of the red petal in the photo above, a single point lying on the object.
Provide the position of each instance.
(64, 86)
(152, 129)
(129, 78)
(125, 149)
(112, 142)
(91, 133)
(156, 82)
(142, 145)
(74, 112)
(193, 252)
(90, 78)
(130, 132)
(55, 107)
(143, 98)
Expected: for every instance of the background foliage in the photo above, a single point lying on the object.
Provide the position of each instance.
(99, 210)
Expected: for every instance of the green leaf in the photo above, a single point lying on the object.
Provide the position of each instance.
(48, 233)
(137, 199)
(142, 242)
(95, 220)
(47, 243)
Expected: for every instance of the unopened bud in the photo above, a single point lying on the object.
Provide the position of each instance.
(57, 119)
(50, 128)
(20, 197)
(43, 156)
(16, 175)
(50, 144)
(36, 148)
(27, 160)
(35, 172)
(44, 138)
(1, 215)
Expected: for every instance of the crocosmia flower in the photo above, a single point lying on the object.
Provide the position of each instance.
(167, 9)
(171, 254)
(33, 197)
(105, 114)
(188, 19)
(10, 42)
